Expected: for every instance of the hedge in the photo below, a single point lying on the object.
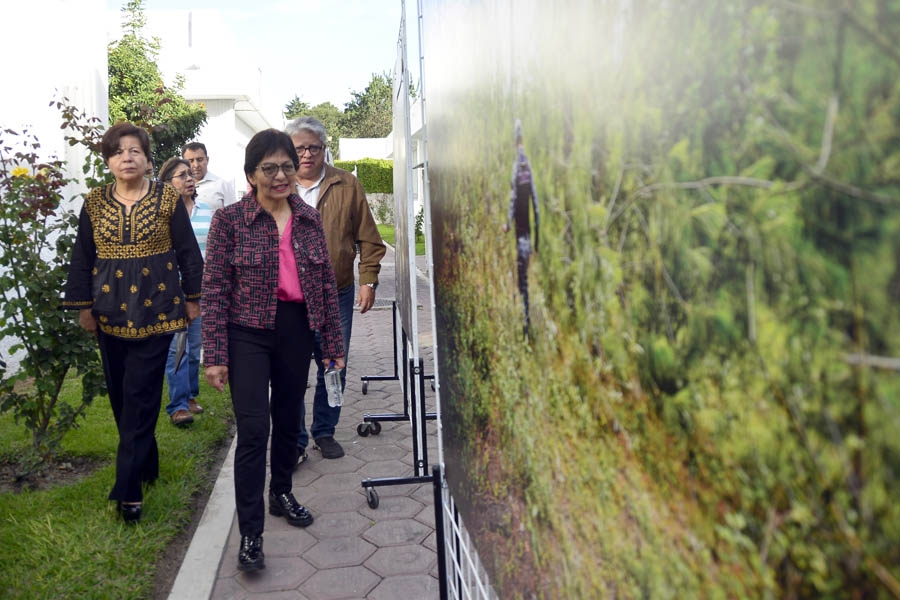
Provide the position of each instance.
(375, 174)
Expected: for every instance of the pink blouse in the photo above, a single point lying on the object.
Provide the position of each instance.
(289, 289)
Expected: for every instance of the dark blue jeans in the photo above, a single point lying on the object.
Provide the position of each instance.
(325, 418)
(185, 384)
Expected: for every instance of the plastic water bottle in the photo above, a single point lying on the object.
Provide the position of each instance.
(333, 386)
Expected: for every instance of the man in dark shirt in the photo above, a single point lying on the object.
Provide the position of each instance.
(521, 196)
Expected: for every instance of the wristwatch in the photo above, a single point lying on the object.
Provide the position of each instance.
(372, 285)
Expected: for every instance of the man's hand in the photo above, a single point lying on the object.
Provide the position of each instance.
(193, 310)
(505, 227)
(216, 376)
(365, 299)
(86, 320)
(338, 362)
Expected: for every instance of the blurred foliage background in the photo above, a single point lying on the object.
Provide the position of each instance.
(709, 401)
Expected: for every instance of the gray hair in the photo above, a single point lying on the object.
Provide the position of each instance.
(311, 124)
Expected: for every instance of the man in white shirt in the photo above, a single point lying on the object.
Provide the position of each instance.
(212, 190)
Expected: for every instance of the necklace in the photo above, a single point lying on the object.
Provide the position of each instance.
(125, 198)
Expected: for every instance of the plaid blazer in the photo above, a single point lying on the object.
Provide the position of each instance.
(240, 279)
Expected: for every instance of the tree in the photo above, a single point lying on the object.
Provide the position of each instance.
(137, 92)
(295, 108)
(370, 113)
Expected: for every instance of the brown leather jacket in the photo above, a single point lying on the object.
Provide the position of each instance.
(347, 221)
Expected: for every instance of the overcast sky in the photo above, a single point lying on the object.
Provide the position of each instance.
(318, 49)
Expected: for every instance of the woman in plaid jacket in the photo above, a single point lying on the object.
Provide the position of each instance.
(268, 284)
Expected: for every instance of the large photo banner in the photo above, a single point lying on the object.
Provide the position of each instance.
(667, 273)
(403, 196)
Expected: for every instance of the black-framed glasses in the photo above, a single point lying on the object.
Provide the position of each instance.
(270, 170)
(313, 150)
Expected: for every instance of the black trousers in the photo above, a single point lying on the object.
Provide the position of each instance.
(134, 372)
(257, 357)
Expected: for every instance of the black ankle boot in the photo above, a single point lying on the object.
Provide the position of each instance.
(250, 556)
(131, 513)
(285, 505)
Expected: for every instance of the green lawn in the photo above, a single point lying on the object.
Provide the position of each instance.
(68, 542)
(387, 234)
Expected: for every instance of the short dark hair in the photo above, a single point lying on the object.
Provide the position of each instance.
(109, 144)
(195, 146)
(168, 168)
(264, 143)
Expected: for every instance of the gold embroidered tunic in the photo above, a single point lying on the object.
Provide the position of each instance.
(125, 265)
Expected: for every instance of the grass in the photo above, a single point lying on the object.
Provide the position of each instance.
(68, 542)
(387, 234)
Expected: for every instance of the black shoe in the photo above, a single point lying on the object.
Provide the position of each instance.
(131, 513)
(250, 556)
(329, 447)
(302, 458)
(285, 505)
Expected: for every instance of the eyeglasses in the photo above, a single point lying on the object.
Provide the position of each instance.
(186, 175)
(313, 150)
(270, 170)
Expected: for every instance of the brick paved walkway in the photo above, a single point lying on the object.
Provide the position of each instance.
(351, 550)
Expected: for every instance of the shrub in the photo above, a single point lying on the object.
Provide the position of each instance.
(376, 175)
(36, 238)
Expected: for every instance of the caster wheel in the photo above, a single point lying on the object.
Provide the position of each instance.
(365, 389)
(374, 427)
(371, 498)
(363, 429)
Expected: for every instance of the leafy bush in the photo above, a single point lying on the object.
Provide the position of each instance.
(375, 174)
(36, 239)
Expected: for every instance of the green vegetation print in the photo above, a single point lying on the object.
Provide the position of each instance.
(708, 402)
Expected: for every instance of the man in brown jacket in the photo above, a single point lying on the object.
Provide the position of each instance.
(348, 222)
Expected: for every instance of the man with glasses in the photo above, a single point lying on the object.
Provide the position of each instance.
(348, 223)
(212, 190)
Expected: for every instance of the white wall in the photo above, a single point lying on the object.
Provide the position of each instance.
(356, 148)
(226, 154)
(52, 47)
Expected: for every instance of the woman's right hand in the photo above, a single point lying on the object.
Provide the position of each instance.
(86, 320)
(216, 376)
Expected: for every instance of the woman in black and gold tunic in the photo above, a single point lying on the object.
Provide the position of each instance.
(134, 238)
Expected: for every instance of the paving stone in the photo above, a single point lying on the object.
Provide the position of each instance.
(305, 474)
(289, 542)
(344, 582)
(227, 589)
(427, 516)
(411, 559)
(425, 494)
(392, 507)
(282, 595)
(384, 452)
(282, 573)
(431, 541)
(323, 502)
(396, 532)
(339, 552)
(335, 482)
(340, 524)
(345, 464)
(228, 563)
(385, 468)
(420, 587)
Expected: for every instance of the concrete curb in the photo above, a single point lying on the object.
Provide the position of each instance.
(198, 572)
